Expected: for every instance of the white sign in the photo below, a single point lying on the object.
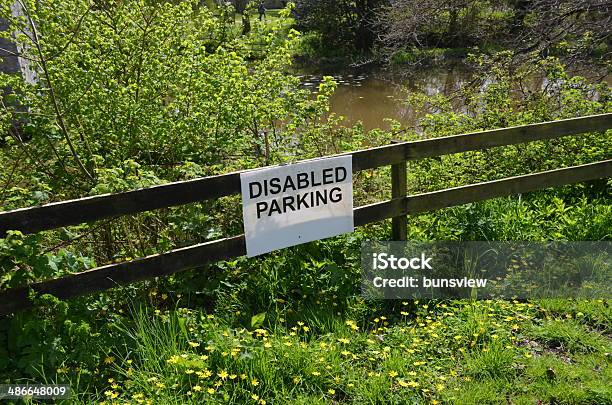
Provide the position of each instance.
(297, 203)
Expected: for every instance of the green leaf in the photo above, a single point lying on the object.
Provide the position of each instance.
(257, 320)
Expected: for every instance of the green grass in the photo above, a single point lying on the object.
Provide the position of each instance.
(484, 352)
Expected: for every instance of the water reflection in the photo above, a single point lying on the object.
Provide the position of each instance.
(371, 95)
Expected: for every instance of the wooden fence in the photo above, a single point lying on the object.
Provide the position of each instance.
(65, 213)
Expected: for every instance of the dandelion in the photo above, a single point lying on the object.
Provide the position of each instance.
(210, 390)
(109, 360)
(344, 341)
(255, 397)
(197, 388)
(254, 382)
(193, 344)
(223, 374)
(331, 391)
(315, 373)
(267, 345)
(296, 380)
(111, 394)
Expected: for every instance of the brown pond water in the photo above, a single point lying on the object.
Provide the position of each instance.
(371, 95)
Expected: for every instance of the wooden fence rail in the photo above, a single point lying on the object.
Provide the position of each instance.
(66, 213)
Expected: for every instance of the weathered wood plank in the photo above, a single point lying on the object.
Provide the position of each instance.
(113, 275)
(427, 202)
(399, 189)
(508, 186)
(65, 213)
(106, 277)
(507, 136)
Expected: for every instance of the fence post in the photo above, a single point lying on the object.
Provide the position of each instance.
(399, 225)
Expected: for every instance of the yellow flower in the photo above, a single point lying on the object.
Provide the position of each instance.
(109, 360)
(344, 340)
(331, 391)
(211, 390)
(243, 376)
(197, 388)
(193, 344)
(296, 380)
(315, 373)
(255, 397)
(254, 382)
(392, 374)
(233, 376)
(267, 345)
(223, 374)
(111, 394)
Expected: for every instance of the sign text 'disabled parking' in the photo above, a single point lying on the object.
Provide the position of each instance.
(292, 204)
